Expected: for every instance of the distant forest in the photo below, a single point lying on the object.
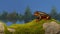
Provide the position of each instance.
(27, 16)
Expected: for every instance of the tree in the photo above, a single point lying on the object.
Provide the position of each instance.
(58, 17)
(53, 12)
(27, 15)
(3, 17)
(20, 17)
(12, 16)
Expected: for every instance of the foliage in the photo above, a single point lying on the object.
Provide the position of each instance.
(29, 28)
(53, 13)
(27, 15)
(12, 17)
(3, 16)
(20, 17)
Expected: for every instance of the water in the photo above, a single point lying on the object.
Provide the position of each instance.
(9, 23)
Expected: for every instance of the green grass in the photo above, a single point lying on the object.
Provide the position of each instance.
(29, 28)
(32, 27)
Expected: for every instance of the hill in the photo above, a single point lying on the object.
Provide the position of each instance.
(32, 27)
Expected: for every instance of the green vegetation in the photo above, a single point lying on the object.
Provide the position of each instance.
(29, 28)
(26, 16)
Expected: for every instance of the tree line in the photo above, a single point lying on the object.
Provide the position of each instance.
(27, 16)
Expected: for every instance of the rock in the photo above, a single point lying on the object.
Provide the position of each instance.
(1, 28)
(51, 28)
(11, 29)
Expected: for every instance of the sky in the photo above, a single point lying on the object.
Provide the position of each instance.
(35, 5)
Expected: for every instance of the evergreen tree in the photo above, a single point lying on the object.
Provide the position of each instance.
(58, 17)
(27, 15)
(20, 17)
(12, 16)
(53, 13)
(3, 17)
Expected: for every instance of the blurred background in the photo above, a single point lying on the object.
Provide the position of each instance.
(21, 11)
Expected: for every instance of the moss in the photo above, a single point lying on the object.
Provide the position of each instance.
(29, 28)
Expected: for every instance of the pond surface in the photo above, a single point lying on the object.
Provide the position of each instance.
(9, 23)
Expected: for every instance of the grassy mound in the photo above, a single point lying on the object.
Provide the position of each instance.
(31, 27)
